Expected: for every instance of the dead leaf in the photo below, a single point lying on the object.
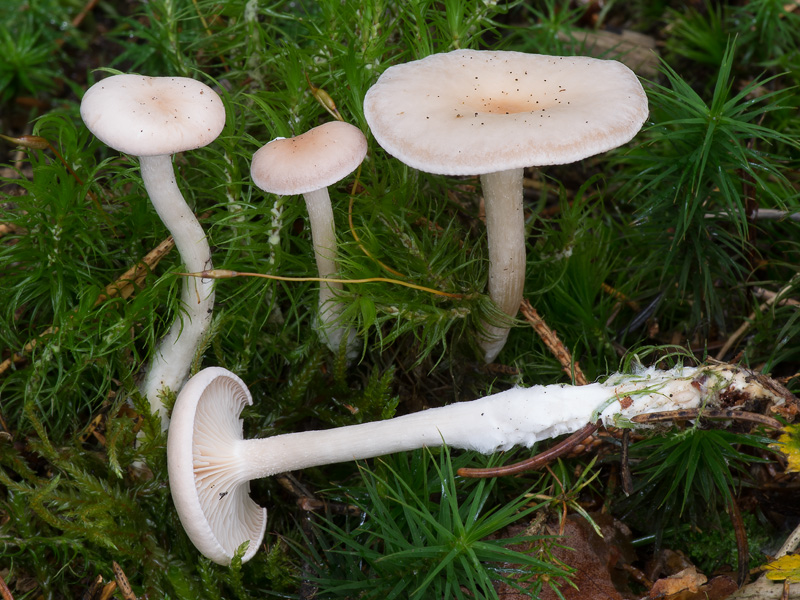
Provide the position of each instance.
(688, 579)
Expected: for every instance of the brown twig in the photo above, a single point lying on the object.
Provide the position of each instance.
(742, 545)
(123, 287)
(708, 413)
(122, 582)
(5, 593)
(771, 298)
(571, 367)
(535, 462)
(625, 466)
(553, 343)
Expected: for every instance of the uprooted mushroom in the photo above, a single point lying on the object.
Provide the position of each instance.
(210, 465)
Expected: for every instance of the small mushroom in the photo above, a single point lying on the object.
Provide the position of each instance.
(153, 118)
(492, 113)
(307, 164)
(211, 465)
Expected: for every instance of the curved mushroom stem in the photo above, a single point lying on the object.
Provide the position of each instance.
(323, 236)
(505, 232)
(170, 365)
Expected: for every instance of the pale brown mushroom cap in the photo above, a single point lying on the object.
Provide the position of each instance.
(310, 161)
(470, 112)
(152, 116)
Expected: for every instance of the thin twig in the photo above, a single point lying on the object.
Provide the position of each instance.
(122, 582)
(535, 462)
(742, 545)
(553, 343)
(708, 413)
(771, 299)
(226, 274)
(123, 287)
(5, 593)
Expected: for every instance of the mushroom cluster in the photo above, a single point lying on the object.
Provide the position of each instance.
(459, 113)
(487, 113)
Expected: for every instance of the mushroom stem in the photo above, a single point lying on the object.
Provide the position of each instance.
(323, 237)
(170, 365)
(497, 422)
(505, 232)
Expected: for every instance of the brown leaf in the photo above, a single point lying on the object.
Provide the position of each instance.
(688, 579)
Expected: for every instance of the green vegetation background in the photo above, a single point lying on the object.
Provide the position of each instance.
(656, 243)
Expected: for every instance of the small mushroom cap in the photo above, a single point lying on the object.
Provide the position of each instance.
(310, 161)
(470, 112)
(152, 116)
(206, 475)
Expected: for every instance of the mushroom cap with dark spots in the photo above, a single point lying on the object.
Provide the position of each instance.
(470, 112)
(152, 116)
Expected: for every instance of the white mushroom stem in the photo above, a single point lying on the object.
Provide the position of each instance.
(515, 417)
(170, 366)
(323, 237)
(210, 465)
(505, 232)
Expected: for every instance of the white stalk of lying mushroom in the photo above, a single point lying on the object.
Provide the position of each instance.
(153, 118)
(210, 465)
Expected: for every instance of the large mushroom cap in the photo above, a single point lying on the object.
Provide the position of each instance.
(310, 161)
(210, 492)
(470, 112)
(151, 116)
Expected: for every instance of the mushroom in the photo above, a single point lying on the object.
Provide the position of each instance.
(153, 118)
(492, 113)
(307, 164)
(211, 465)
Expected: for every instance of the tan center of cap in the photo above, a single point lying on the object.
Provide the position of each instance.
(310, 161)
(470, 112)
(152, 116)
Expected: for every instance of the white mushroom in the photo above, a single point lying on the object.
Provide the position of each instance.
(492, 113)
(153, 118)
(210, 465)
(307, 164)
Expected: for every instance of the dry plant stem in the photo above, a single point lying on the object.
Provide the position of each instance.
(123, 287)
(226, 274)
(323, 236)
(170, 366)
(5, 593)
(791, 543)
(771, 299)
(708, 413)
(122, 582)
(535, 462)
(505, 232)
(553, 343)
(742, 545)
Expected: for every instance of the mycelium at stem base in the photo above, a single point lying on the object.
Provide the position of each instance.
(172, 360)
(210, 465)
